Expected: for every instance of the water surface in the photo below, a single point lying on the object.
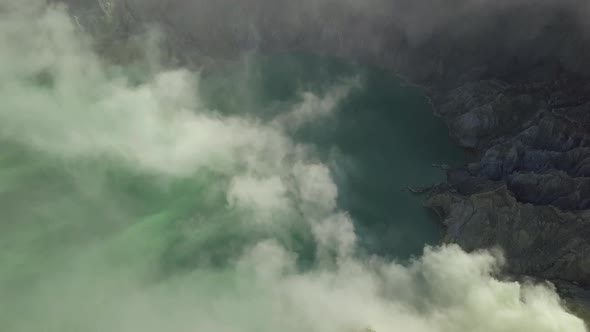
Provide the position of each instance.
(382, 138)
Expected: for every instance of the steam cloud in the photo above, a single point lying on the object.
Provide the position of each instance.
(255, 185)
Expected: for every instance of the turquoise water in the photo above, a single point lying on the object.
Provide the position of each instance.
(382, 139)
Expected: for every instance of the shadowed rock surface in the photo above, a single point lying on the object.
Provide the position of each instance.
(510, 79)
(527, 189)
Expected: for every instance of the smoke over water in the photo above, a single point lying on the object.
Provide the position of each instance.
(128, 205)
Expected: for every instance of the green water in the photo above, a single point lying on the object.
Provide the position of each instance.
(79, 220)
(382, 139)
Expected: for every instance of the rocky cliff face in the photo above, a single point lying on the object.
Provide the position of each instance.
(510, 79)
(527, 189)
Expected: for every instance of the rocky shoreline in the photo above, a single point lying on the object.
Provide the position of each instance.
(515, 96)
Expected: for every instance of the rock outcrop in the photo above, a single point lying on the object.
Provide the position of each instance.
(537, 240)
(527, 188)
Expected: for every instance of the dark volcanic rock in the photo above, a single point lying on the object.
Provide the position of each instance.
(554, 188)
(537, 240)
(479, 112)
(527, 190)
(540, 241)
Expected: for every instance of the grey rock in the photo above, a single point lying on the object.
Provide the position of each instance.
(537, 240)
